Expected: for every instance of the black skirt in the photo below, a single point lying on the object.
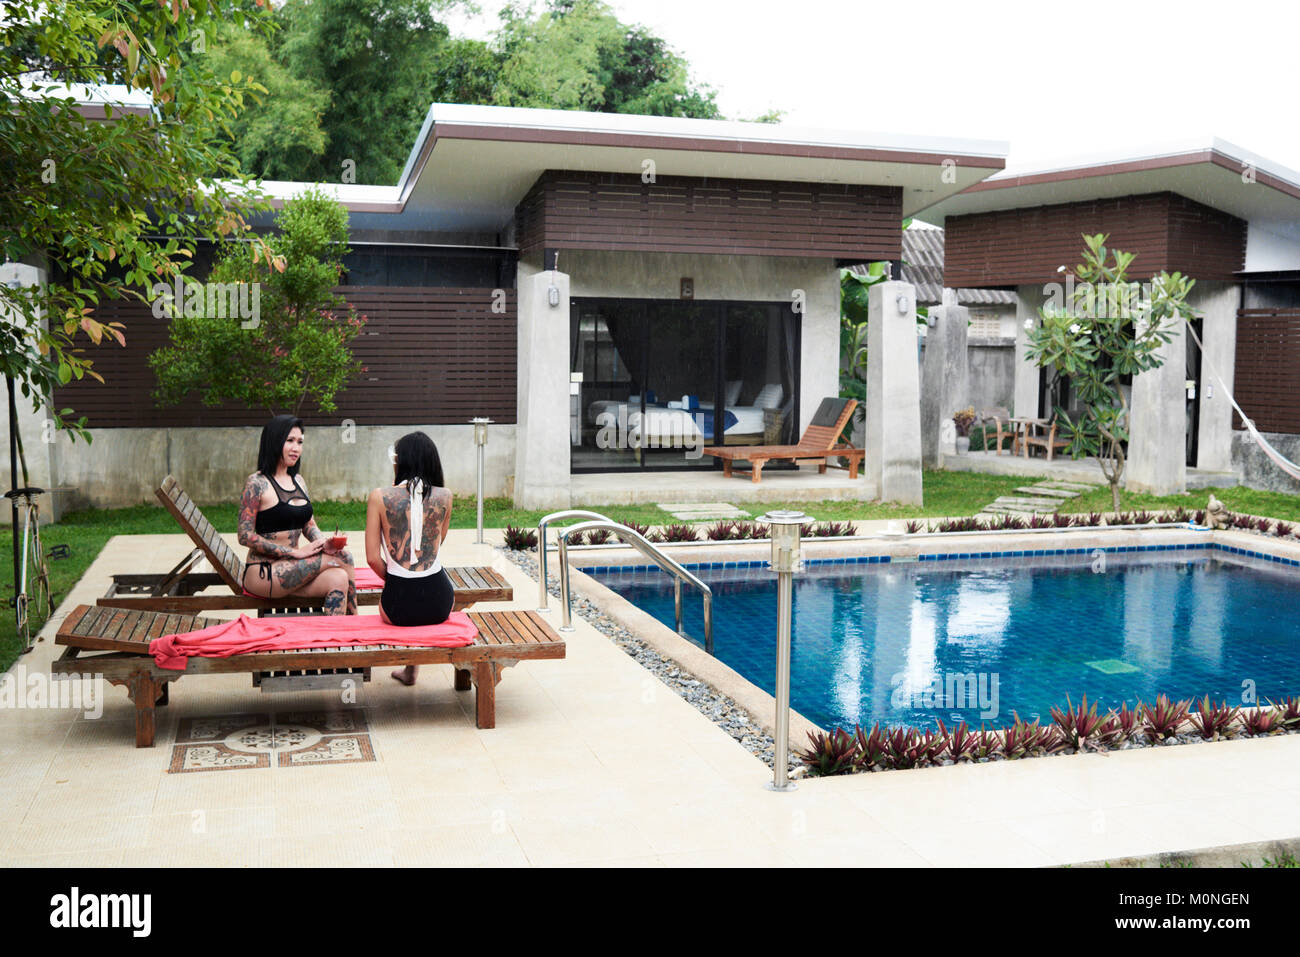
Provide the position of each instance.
(418, 601)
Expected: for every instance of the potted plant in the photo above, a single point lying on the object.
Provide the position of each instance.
(963, 420)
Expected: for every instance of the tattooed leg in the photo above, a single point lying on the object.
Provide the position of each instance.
(334, 602)
(352, 597)
(293, 575)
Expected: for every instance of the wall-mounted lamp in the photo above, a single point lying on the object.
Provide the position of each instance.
(553, 293)
(903, 304)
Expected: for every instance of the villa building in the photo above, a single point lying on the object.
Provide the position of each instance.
(615, 292)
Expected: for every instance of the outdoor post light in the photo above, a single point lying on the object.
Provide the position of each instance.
(480, 439)
(785, 528)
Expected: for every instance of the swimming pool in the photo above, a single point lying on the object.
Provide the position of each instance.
(979, 638)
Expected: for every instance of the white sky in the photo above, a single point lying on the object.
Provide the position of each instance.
(1016, 71)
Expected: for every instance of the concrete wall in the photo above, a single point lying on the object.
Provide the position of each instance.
(1025, 393)
(1257, 470)
(542, 448)
(1217, 303)
(945, 376)
(992, 372)
(892, 464)
(123, 466)
(1157, 448)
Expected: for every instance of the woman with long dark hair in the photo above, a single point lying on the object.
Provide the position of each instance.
(406, 523)
(275, 515)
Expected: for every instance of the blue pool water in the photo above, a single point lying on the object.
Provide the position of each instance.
(870, 641)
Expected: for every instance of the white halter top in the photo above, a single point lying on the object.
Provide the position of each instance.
(415, 516)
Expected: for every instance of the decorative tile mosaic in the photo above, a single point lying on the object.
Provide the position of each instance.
(236, 741)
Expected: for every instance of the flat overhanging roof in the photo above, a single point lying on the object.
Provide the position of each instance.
(471, 165)
(1210, 171)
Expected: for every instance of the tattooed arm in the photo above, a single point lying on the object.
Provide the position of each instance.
(374, 529)
(441, 514)
(249, 505)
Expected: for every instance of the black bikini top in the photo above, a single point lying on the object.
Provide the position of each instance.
(283, 517)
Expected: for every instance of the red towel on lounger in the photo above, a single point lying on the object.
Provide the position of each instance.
(286, 633)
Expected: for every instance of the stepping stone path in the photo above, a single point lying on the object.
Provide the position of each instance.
(1046, 496)
(703, 511)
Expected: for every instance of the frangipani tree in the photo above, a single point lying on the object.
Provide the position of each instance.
(1103, 328)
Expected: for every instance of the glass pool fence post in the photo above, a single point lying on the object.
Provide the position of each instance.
(786, 560)
(480, 440)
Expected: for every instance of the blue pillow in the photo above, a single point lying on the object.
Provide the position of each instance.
(650, 398)
(692, 402)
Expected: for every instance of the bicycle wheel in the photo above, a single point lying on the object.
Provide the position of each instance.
(20, 613)
(44, 599)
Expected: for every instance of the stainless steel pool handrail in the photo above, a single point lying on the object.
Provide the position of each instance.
(543, 599)
(631, 536)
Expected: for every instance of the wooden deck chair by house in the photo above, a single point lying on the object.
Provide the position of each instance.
(817, 444)
(1002, 427)
(1041, 434)
(114, 644)
(177, 591)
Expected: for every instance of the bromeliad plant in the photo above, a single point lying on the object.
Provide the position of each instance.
(1213, 722)
(1109, 329)
(829, 754)
(1079, 725)
(1165, 718)
(519, 539)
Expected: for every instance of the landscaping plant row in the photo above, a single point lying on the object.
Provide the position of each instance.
(1008, 522)
(1074, 728)
(521, 538)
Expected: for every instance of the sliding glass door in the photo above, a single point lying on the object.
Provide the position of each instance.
(654, 382)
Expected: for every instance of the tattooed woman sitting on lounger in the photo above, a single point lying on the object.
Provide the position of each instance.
(405, 525)
(275, 514)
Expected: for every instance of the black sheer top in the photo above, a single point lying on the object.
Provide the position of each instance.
(283, 517)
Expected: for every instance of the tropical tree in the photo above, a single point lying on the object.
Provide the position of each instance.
(295, 348)
(1105, 329)
(278, 135)
(382, 62)
(108, 202)
(577, 55)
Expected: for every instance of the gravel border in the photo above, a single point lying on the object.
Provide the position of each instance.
(708, 701)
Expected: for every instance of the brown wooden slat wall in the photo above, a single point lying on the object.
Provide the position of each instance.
(1266, 380)
(432, 356)
(1025, 246)
(682, 214)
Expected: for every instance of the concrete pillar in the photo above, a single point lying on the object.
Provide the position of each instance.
(1157, 447)
(1217, 302)
(542, 433)
(945, 376)
(893, 430)
(35, 426)
(1025, 395)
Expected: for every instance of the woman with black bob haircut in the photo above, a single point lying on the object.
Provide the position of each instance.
(406, 523)
(275, 516)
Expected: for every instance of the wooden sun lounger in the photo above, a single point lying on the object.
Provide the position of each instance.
(118, 642)
(818, 444)
(176, 591)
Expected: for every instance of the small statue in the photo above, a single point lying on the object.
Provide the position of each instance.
(1217, 514)
(947, 437)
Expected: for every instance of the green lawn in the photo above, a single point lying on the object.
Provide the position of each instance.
(946, 494)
